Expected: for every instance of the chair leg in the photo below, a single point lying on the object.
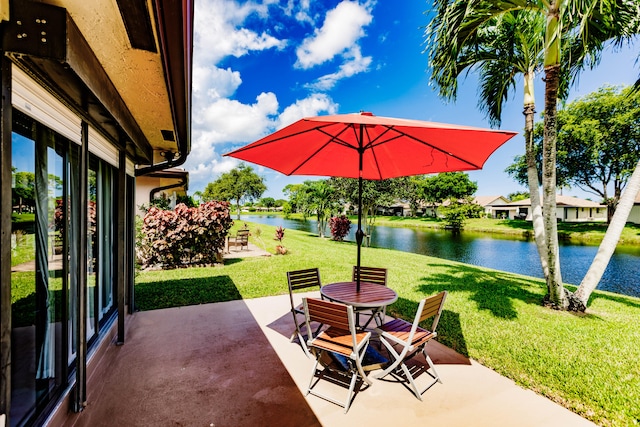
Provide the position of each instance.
(431, 366)
(412, 383)
(397, 358)
(435, 376)
(352, 386)
(298, 333)
(313, 375)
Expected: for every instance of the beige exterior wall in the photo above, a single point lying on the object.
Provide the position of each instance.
(583, 214)
(634, 215)
(144, 186)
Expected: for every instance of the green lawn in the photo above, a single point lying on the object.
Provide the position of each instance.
(587, 363)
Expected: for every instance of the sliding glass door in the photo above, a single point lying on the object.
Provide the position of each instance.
(45, 278)
(40, 275)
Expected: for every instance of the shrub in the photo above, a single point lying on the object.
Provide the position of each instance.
(340, 226)
(279, 233)
(184, 235)
(279, 236)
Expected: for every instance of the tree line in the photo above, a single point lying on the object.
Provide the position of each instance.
(324, 198)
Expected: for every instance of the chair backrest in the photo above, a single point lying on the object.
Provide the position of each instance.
(242, 235)
(300, 279)
(430, 307)
(328, 313)
(333, 314)
(370, 274)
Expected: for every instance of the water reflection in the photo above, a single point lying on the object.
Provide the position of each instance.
(497, 251)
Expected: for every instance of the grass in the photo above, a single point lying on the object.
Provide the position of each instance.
(24, 250)
(587, 363)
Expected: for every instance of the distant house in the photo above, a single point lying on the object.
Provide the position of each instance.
(489, 203)
(568, 209)
(634, 215)
(398, 208)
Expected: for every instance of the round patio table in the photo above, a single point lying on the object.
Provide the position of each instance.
(371, 295)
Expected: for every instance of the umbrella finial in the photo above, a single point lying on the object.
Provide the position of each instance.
(366, 113)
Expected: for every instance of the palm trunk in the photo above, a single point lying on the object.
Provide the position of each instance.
(556, 293)
(321, 225)
(610, 240)
(532, 174)
(556, 296)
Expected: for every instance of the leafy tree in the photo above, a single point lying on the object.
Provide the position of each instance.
(598, 143)
(412, 190)
(449, 186)
(286, 209)
(296, 195)
(519, 195)
(458, 210)
(267, 202)
(319, 199)
(457, 189)
(238, 184)
(23, 191)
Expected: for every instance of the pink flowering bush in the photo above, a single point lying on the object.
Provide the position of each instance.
(184, 236)
(340, 226)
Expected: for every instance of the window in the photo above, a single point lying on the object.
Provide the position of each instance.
(45, 279)
(44, 169)
(100, 245)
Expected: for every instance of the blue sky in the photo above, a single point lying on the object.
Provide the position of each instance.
(260, 65)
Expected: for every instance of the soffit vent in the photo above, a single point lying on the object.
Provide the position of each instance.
(168, 135)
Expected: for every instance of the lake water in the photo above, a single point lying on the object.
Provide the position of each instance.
(497, 251)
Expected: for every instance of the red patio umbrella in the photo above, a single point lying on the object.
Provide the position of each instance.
(365, 146)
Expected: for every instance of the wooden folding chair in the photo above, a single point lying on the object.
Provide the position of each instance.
(341, 340)
(240, 239)
(404, 340)
(372, 275)
(301, 279)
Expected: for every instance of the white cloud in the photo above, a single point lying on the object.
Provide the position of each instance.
(230, 122)
(342, 28)
(217, 34)
(212, 83)
(310, 106)
(221, 123)
(354, 65)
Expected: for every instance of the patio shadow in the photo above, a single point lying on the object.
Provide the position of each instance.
(204, 365)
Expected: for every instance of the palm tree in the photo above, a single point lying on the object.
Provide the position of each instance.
(503, 48)
(320, 198)
(591, 22)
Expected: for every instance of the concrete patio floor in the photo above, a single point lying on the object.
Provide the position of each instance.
(231, 364)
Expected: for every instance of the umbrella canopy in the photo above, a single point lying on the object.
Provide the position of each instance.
(365, 146)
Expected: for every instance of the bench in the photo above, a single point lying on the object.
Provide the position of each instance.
(240, 239)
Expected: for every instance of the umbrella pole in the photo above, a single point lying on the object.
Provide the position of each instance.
(359, 232)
